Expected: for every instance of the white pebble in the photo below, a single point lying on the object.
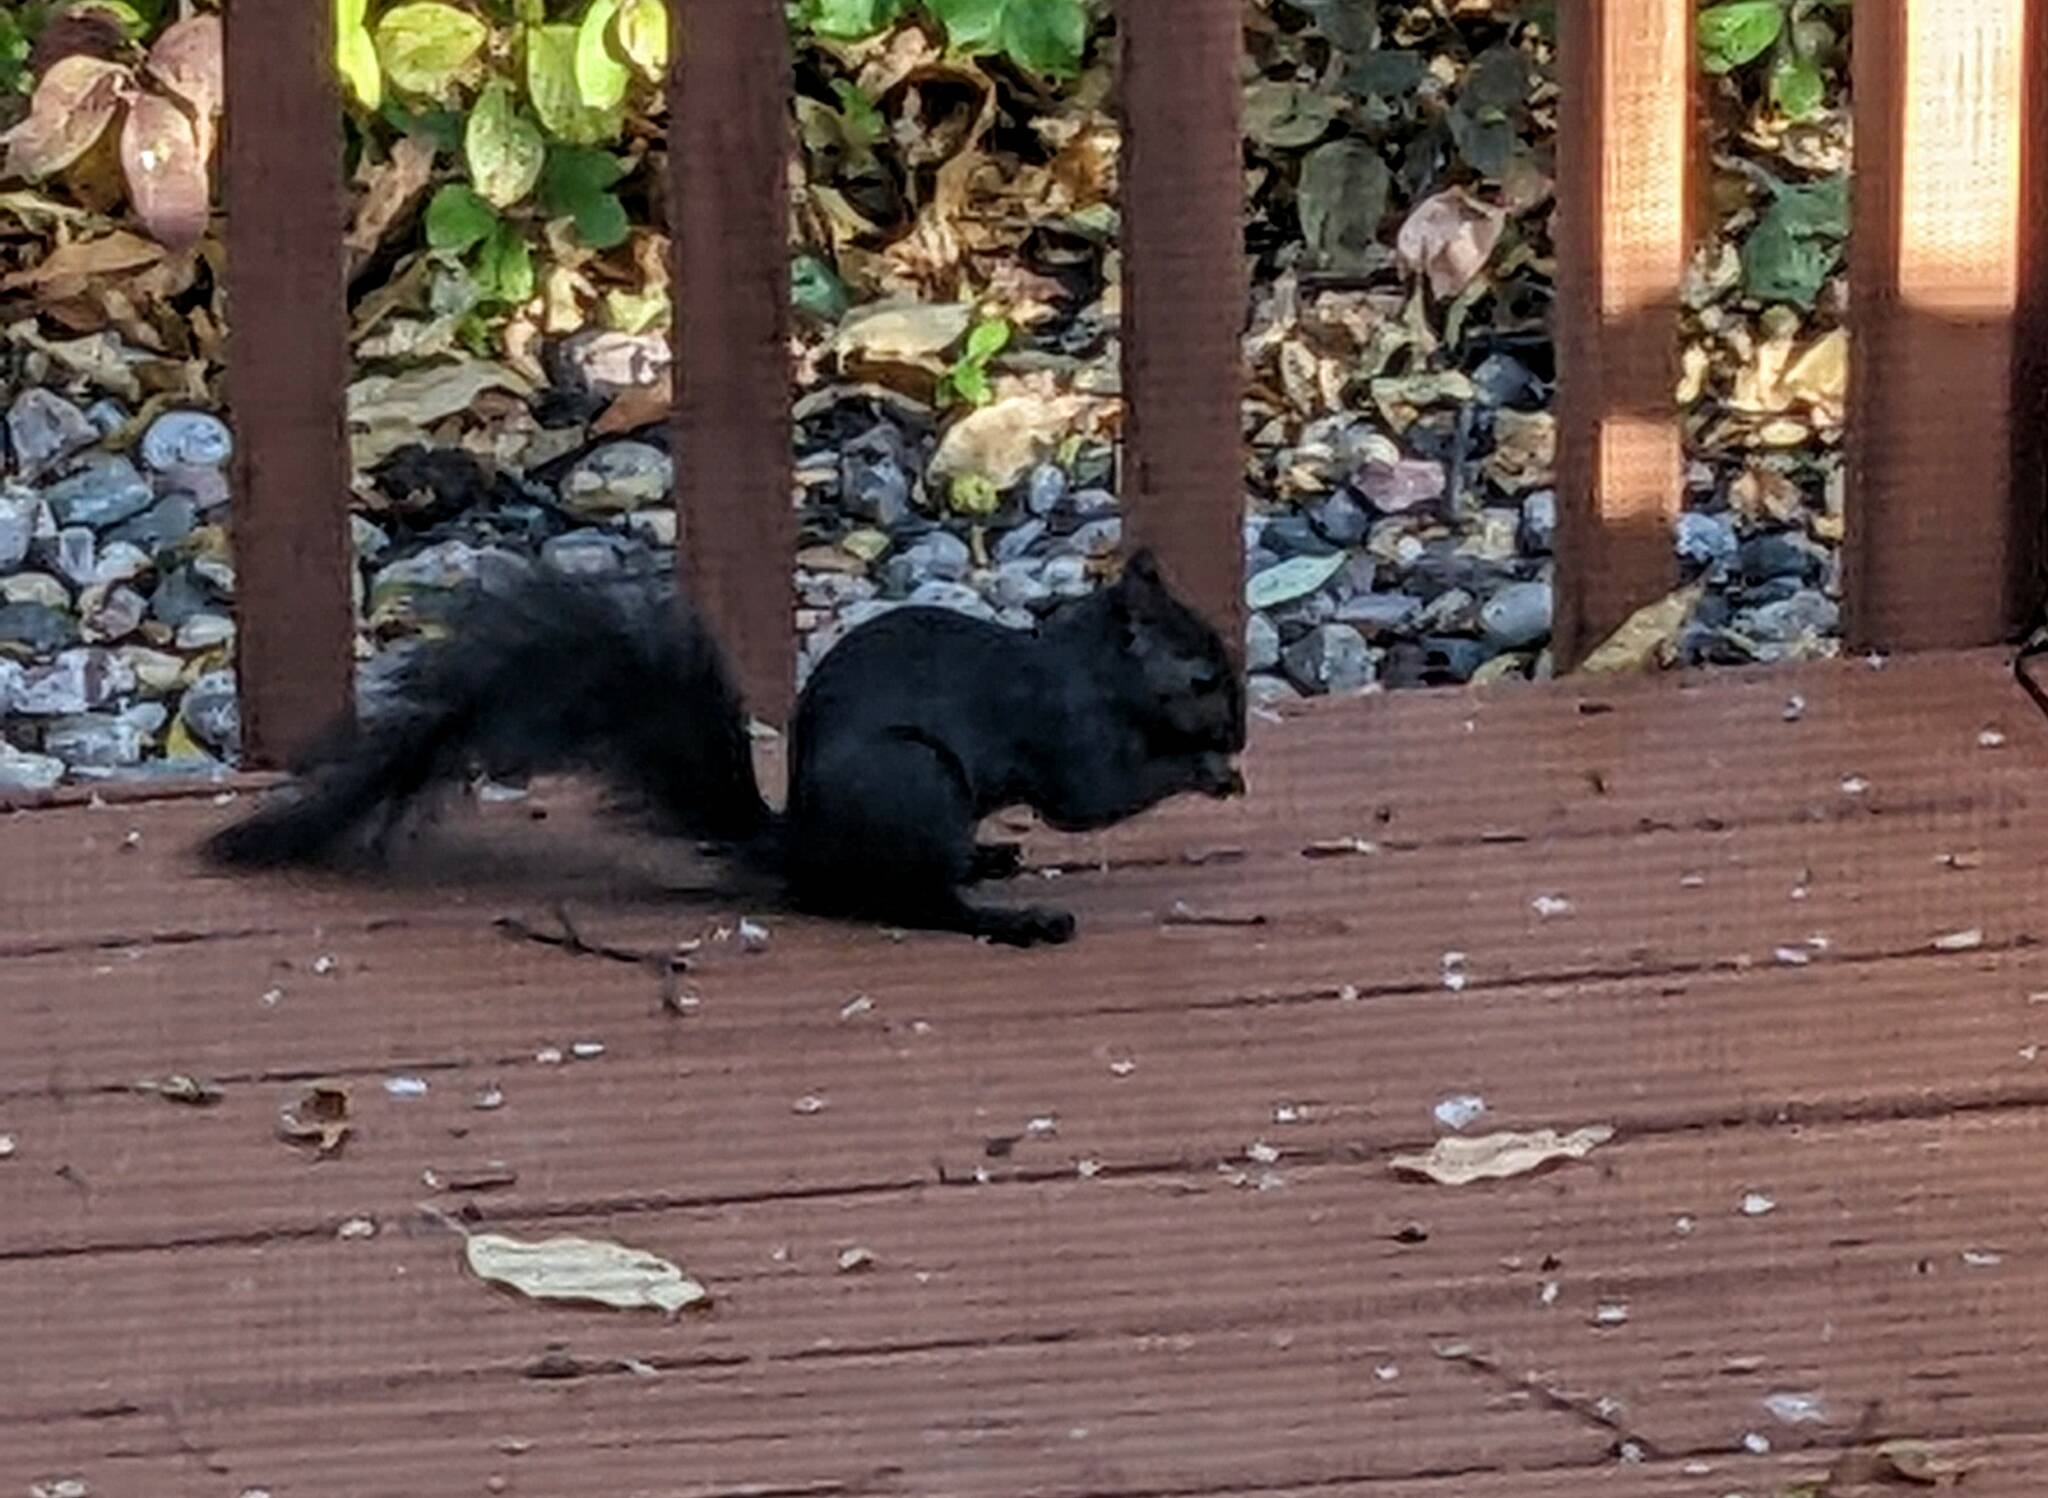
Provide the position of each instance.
(1547, 906)
(1756, 1204)
(1795, 1409)
(809, 1103)
(1459, 1111)
(406, 1086)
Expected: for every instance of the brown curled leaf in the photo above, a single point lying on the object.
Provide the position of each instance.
(166, 171)
(72, 106)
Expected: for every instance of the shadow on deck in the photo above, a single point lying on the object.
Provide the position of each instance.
(1128, 1221)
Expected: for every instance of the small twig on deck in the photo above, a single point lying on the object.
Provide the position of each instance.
(669, 966)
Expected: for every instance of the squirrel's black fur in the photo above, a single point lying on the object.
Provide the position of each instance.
(913, 728)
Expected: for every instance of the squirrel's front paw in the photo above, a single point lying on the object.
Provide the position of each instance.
(1218, 777)
(1034, 925)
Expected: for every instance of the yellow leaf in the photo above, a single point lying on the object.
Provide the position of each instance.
(583, 1269)
(1458, 1161)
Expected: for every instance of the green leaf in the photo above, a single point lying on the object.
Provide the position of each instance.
(120, 12)
(636, 311)
(1797, 243)
(815, 288)
(859, 119)
(974, 494)
(576, 183)
(355, 54)
(441, 126)
(1798, 88)
(551, 85)
(1045, 37)
(1820, 208)
(601, 78)
(643, 36)
(965, 382)
(971, 25)
(852, 19)
(504, 266)
(1286, 116)
(425, 44)
(1738, 32)
(1384, 74)
(1342, 199)
(986, 339)
(18, 27)
(504, 151)
(458, 217)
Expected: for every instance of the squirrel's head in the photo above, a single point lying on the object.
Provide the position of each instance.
(1189, 692)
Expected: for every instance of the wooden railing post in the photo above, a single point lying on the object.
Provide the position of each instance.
(728, 211)
(1624, 162)
(2030, 373)
(1933, 549)
(287, 373)
(1181, 85)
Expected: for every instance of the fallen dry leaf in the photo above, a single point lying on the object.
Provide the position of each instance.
(1650, 633)
(391, 188)
(1456, 1161)
(83, 259)
(1918, 1462)
(583, 1269)
(318, 1117)
(164, 160)
(1449, 238)
(74, 101)
(900, 329)
(1003, 439)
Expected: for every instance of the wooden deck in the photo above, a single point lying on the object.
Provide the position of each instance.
(1791, 957)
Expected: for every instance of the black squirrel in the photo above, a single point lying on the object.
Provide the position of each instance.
(914, 727)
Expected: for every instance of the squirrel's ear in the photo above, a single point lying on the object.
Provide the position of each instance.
(1141, 574)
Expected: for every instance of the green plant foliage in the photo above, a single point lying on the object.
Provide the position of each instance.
(967, 379)
(1738, 32)
(1797, 243)
(576, 184)
(425, 45)
(504, 150)
(458, 219)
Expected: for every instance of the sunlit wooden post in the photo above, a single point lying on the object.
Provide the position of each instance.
(1622, 182)
(1935, 556)
(1180, 83)
(728, 209)
(287, 373)
(2030, 378)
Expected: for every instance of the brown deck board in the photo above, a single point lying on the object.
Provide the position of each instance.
(173, 1282)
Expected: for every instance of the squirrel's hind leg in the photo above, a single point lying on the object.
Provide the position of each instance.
(885, 832)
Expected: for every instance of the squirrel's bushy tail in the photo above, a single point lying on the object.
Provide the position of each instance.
(555, 673)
